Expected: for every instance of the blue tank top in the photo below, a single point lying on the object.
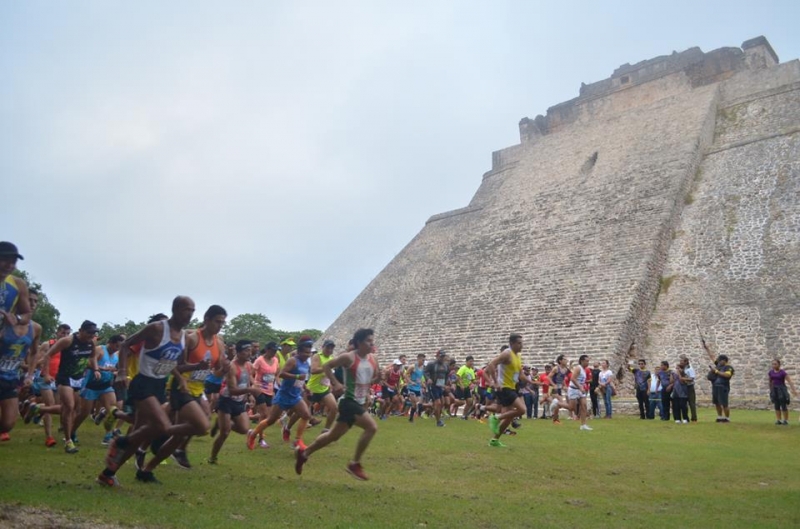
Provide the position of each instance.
(291, 389)
(13, 351)
(161, 360)
(416, 377)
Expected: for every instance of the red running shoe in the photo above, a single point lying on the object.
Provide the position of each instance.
(251, 439)
(4, 437)
(287, 435)
(50, 442)
(356, 471)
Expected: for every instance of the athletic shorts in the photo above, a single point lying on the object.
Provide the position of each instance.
(211, 387)
(143, 387)
(66, 380)
(463, 393)
(349, 410)
(263, 398)
(436, 392)
(284, 403)
(388, 392)
(507, 396)
(404, 391)
(40, 385)
(719, 396)
(94, 394)
(575, 394)
(417, 392)
(179, 399)
(8, 390)
(234, 408)
(317, 397)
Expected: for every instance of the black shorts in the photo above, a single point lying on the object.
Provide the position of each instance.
(317, 397)
(210, 388)
(8, 390)
(463, 393)
(179, 399)
(263, 398)
(234, 408)
(719, 396)
(436, 392)
(348, 411)
(506, 397)
(143, 387)
(387, 392)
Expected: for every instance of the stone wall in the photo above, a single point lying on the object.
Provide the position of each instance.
(678, 188)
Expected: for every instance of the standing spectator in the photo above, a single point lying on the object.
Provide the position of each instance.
(720, 376)
(654, 394)
(530, 392)
(606, 382)
(778, 394)
(666, 389)
(679, 396)
(690, 376)
(593, 385)
(641, 379)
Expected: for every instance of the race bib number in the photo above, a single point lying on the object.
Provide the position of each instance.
(267, 379)
(325, 382)
(299, 383)
(200, 375)
(76, 383)
(163, 369)
(440, 382)
(10, 364)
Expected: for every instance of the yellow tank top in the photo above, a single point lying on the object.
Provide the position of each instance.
(509, 373)
(319, 383)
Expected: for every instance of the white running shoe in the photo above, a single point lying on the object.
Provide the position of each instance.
(586, 427)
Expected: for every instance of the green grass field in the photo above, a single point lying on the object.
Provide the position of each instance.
(625, 473)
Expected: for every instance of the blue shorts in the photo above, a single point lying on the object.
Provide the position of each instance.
(39, 384)
(417, 392)
(437, 392)
(94, 394)
(283, 403)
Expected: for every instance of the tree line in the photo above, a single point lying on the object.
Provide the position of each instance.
(248, 326)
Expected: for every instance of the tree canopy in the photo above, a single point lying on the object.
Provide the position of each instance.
(46, 314)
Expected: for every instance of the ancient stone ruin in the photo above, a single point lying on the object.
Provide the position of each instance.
(661, 203)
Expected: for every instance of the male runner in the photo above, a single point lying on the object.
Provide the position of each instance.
(320, 385)
(360, 371)
(390, 388)
(289, 397)
(415, 376)
(163, 350)
(78, 353)
(505, 371)
(436, 379)
(466, 376)
(99, 385)
(577, 392)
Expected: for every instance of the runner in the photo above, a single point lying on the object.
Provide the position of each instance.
(289, 397)
(163, 350)
(577, 391)
(15, 306)
(505, 371)
(19, 344)
(98, 386)
(466, 377)
(415, 377)
(46, 390)
(360, 370)
(320, 385)
(390, 390)
(232, 398)
(436, 379)
(78, 353)
(265, 371)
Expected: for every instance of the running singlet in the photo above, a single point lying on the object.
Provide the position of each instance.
(465, 376)
(358, 377)
(13, 351)
(320, 383)
(202, 351)
(160, 361)
(509, 373)
(416, 377)
(75, 358)
(242, 382)
(9, 294)
(265, 374)
(393, 379)
(108, 359)
(291, 389)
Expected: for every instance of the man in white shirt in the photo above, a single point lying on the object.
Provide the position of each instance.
(688, 372)
(654, 394)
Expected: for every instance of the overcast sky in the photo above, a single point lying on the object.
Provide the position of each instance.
(273, 157)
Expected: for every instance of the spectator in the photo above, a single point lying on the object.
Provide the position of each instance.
(778, 394)
(720, 376)
(666, 389)
(641, 380)
(654, 394)
(690, 376)
(606, 382)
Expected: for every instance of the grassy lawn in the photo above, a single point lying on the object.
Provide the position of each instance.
(625, 473)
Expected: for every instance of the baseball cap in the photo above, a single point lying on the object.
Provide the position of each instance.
(8, 249)
(289, 341)
(441, 352)
(328, 343)
(397, 363)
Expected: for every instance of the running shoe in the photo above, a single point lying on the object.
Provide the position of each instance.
(313, 422)
(440, 423)
(50, 442)
(300, 460)
(74, 438)
(101, 415)
(286, 434)
(556, 421)
(4, 437)
(180, 457)
(110, 418)
(516, 424)
(263, 443)
(116, 452)
(138, 459)
(107, 439)
(211, 460)
(70, 448)
(32, 412)
(356, 471)
(146, 477)
(299, 444)
(37, 419)
(251, 439)
(586, 427)
(496, 442)
(108, 481)
(494, 424)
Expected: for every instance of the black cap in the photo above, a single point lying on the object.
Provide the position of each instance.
(8, 249)
(89, 327)
(328, 343)
(441, 352)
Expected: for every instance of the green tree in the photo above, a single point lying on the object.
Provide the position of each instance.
(107, 330)
(250, 326)
(46, 315)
